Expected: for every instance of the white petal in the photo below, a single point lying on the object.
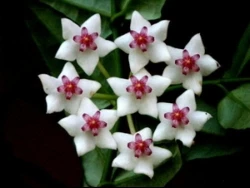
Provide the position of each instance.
(187, 99)
(105, 139)
(72, 105)
(89, 87)
(126, 105)
(119, 85)
(148, 106)
(69, 71)
(175, 54)
(49, 83)
(164, 131)
(72, 124)
(144, 167)
(195, 46)
(125, 161)
(158, 84)
(145, 133)
(137, 60)
(207, 65)
(84, 143)
(87, 106)
(88, 60)
(174, 74)
(55, 103)
(193, 81)
(110, 117)
(122, 139)
(185, 135)
(69, 29)
(197, 119)
(137, 22)
(164, 108)
(141, 73)
(159, 30)
(158, 52)
(123, 42)
(159, 155)
(104, 46)
(68, 51)
(93, 24)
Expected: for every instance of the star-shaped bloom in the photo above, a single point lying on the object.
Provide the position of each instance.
(138, 153)
(138, 93)
(188, 65)
(66, 91)
(90, 127)
(180, 120)
(144, 42)
(84, 44)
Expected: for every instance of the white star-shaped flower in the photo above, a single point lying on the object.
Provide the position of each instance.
(90, 127)
(180, 120)
(138, 153)
(84, 44)
(188, 65)
(139, 93)
(66, 91)
(144, 42)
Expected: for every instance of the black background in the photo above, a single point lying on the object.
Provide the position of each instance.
(36, 152)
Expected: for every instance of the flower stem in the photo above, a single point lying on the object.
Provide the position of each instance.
(131, 124)
(122, 12)
(103, 70)
(104, 96)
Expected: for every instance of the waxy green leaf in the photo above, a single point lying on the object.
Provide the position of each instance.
(234, 109)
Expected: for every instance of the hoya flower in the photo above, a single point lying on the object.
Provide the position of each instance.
(144, 42)
(84, 44)
(180, 120)
(138, 93)
(90, 127)
(138, 153)
(188, 65)
(66, 91)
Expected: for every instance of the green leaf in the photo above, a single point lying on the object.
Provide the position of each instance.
(211, 146)
(212, 126)
(45, 40)
(93, 165)
(102, 7)
(150, 9)
(241, 56)
(162, 174)
(78, 15)
(234, 109)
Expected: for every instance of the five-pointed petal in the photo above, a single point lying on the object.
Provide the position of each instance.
(191, 120)
(144, 42)
(138, 93)
(146, 162)
(86, 139)
(66, 91)
(188, 65)
(84, 44)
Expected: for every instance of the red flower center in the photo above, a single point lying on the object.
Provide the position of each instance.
(141, 40)
(188, 63)
(139, 87)
(178, 116)
(93, 123)
(69, 87)
(86, 40)
(140, 147)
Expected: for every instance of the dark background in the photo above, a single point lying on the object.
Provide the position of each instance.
(36, 152)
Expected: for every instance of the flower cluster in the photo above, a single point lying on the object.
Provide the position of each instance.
(93, 127)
